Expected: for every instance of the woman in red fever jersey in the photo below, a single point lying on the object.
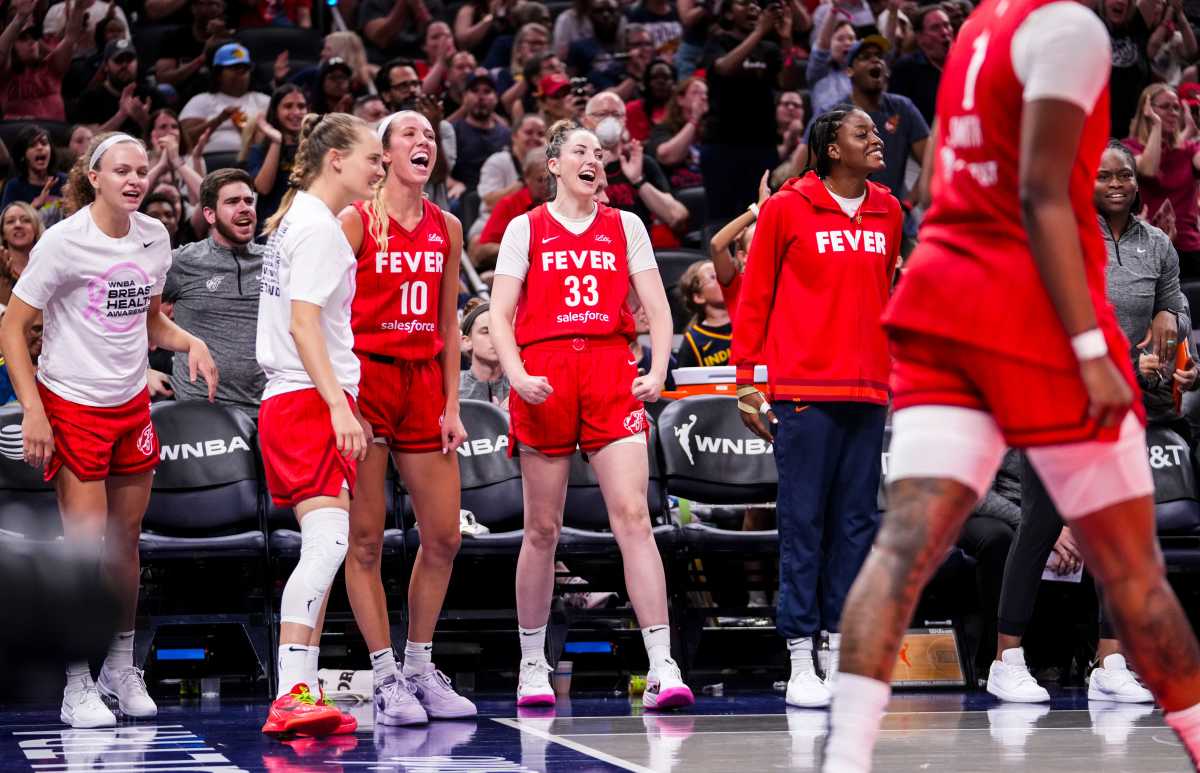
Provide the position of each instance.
(565, 271)
(815, 286)
(405, 323)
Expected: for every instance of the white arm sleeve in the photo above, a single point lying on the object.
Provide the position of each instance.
(637, 244)
(513, 259)
(1062, 51)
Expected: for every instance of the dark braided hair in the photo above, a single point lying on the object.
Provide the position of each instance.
(1120, 147)
(823, 134)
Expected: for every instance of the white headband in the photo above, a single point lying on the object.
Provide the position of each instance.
(108, 143)
(382, 128)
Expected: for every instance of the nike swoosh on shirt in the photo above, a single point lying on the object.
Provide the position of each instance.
(633, 362)
(146, 244)
(548, 239)
(1141, 251)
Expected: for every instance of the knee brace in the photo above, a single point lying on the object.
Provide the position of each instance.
(941, 441)
(324, 534)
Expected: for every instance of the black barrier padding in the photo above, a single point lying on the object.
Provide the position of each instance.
(203, 445)
(709, 455)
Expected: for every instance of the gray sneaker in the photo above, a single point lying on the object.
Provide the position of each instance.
(434, 691)
(395, 703)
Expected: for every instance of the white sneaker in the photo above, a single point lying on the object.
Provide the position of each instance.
(1113, 681)
(665, 688)
(128, 688)
(533, 685)
(832, 656)
(469, 526)
(1009, 679)
(806, 690)
(82, 707)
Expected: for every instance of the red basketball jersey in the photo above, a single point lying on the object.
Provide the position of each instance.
(972, 277)
(577, 286)
(396, 304)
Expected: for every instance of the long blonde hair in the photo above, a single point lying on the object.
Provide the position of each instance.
(319, 134)
(1139, 127)
(378, 206)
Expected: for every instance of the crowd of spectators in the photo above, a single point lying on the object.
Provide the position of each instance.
(694, 103)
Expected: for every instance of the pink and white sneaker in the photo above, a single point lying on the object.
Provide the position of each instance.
(665, 689)
(533, 686)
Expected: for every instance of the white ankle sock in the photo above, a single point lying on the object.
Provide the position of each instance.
(801, 652)
(78, 670)
(293, 668)
(657, 639)
(533, 643)
(418, 657)
(1186, 724)
(854, 719)
(311, 667)
(383, 664)
(120, 652)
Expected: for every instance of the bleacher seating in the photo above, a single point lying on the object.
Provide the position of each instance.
(266, 43)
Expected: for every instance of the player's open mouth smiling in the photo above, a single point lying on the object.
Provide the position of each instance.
(588, 175)
(420, 159)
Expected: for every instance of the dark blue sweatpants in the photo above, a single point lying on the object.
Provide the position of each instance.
(829, 457)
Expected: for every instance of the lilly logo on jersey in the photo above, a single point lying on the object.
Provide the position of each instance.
(433, 238)
(845, 240)
(604, 239)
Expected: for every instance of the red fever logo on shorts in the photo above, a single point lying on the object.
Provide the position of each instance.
(145, 443)
(636, 421)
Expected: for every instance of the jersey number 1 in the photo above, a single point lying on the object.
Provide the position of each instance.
(979, 48)
(589, 296)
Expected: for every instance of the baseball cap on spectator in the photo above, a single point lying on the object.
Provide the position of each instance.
(231, 55)
(870, 41)
(481, 76)
(119, 48)
(1189, 93)
(552, 84)
(336, 63)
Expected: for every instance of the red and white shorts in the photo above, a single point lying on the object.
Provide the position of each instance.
(299, 448)
(95, 443)
(403, 401)
(1034, 405)
(592, 404)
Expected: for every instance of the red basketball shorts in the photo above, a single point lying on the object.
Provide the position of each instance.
(94, 443)
(1033, 404)
(592, 404)
(403, 401)
(299, 449)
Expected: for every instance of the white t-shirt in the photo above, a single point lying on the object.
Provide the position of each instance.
(1062, 51)
(94, 292)
(513, 259)
(307, 259)
(55, 23)
(849, 206)
(226, 138)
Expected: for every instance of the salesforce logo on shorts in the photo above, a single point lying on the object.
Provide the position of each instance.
(583, 316)
(409, 326)
(12, 444)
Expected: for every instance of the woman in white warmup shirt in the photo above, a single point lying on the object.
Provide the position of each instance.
(97, 277)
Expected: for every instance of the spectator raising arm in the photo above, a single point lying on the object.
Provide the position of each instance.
(405, 14)
(131, 107)
(9, 36)
(718, 247)
(768, 20)
(663, 205)
(60, 58)
(264, 181)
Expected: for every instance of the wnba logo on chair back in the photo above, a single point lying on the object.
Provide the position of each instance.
(694, 443)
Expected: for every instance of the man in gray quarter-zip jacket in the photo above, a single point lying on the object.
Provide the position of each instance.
(1143, 281)
(214, 285)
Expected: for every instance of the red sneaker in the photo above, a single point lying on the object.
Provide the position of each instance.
(348, 725)
(299, 712)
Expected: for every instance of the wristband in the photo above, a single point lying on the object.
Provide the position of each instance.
(746, 408)
(753, 209)
(745, 390)
(1089, 345)
(765, 408)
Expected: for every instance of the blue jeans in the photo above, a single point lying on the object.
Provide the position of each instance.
(829, 461)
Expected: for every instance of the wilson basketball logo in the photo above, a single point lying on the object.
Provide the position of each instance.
(145, 443)
(636, 421)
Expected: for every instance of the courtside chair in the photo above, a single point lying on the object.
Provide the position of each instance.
(28, 506)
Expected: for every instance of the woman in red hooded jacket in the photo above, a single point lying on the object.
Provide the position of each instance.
(818, 276)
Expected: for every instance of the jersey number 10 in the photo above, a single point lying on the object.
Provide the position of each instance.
(414, 298)
(588, 297)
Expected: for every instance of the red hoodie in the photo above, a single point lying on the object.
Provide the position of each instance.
(815, 286)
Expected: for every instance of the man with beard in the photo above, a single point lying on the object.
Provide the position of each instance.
(918, 74)
(120, 102)
(214, 285)
(479, 133)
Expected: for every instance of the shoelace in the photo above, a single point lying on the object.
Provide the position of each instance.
(304, 696)
(536, 669)
(1023, 676)
(126, 675)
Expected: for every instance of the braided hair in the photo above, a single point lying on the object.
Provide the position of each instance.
(319, 134)
(824, 133)
(1127, 154)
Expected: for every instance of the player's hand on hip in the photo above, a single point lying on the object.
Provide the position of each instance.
(532, 389)
(200, 362)
(647, 388)
(38, 439)
(1109, 396)
(351, 439)
(754, 421)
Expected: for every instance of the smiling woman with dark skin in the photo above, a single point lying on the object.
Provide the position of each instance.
(827, 243)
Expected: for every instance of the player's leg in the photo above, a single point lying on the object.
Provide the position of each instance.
(128, 496)
(544, 490)
(942, 461)
(433, 484)
(622, 469)
(84, 508)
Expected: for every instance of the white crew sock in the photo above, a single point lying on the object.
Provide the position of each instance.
(120, 652)
(310, 668)
(383, 664)
(418, 658)
(533, 643)
(801, 652)
(77, 671)
(854, 719)
(293, 668)
(657, 639)
(1186, 724)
